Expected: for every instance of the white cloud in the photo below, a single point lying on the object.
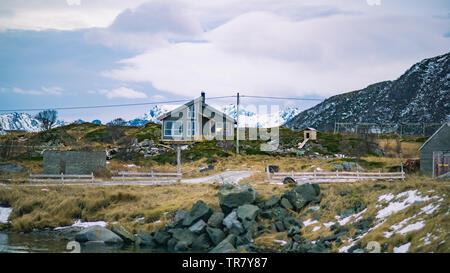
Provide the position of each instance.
(123, 92)
(54, 90)
(266, 54)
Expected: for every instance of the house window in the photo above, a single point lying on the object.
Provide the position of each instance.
(191, 112)
(173, 128)
(190, 128)
(219, 128)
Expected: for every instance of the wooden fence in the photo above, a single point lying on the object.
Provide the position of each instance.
(62, 178)
(147, 177)
(331, 177)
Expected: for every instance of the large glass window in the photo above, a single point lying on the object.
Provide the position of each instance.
(190, 128)
(173, 128)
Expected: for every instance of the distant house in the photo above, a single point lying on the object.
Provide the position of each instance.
(435, 152)
(196, 121)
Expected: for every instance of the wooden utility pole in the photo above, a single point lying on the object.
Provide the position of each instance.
(237, 127)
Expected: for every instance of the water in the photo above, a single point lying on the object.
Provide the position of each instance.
(13, 242)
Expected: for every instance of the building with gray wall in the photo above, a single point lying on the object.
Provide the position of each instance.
(73, 162)
(438, 142)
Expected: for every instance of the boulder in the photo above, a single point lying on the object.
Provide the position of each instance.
(201, 243)
(144, 238)
(285, 203)
(279, 213)
(289, 180)
(293, 230)
(161, 237)
(123, 233)
(198, 227)
(352, 166)
(98, 233)
(233, 196)
(179, 218)
(247, 212)
(232, 223)
(216, 235)
(302, 195)
(273, 168)
(216, 219)
(227, 245)
(266, 214)
(199, 211)
(6, 167)
(183, 235)
(273, 201)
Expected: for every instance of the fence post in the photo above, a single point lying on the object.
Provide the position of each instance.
(153, 176)
(403, 174)
(92, 176)
(314, 176)
(268, 173)
(31, 179)
(62, 178)
(357, 174)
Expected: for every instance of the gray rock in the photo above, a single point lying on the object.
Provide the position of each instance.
(247, 212)
(144, 238)
(266, 214)
(233, 224)
(279, 213)
(183, 235)
(291, 221)
(181, 246)
(161, 237)
(285, 203)
(198, 227)
(123, 233)
(352, 166)
(233, 196)
(98, 233)
(201, 243)
(199, 211)
(273, 201)
(179, 218)
(289, 180)
(293, 230)
(215, 235)
(302, 195)
(359, 250)
(6, 167)
(224, 247)
(279, 226)
(216, 219)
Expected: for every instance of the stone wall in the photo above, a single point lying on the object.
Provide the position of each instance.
(73, 162)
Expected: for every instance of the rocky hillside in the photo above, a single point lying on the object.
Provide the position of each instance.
(421, 94)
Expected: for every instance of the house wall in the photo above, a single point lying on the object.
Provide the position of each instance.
(440, 142)
(73, 162)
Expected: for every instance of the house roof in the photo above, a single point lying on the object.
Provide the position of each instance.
(182, 107)
(435, 133)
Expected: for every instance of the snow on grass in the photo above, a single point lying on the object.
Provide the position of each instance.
(80, 224)
(4, 214)
(393, 207)
(316, 228)
(412, 227)
(402, 249)
(309, 222)
(430, 208)
(345, 220)
(281, 242)
(428, 239)
(388, 197)
(329, 224)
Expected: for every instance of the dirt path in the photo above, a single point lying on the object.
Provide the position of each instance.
(227, 177)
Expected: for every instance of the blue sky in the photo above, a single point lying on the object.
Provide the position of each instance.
(58, 53)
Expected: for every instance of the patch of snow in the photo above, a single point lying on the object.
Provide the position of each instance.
(348, 218)
(393, 207)
(4, 214)
(388, 197)
(316, 228)
(281, 242)
(329, 224)
(78, 223)
(412, 227)
(429, 209)
(402, 249)
(309, 222)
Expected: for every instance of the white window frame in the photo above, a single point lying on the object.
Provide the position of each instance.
(176, 129)
(190, 128)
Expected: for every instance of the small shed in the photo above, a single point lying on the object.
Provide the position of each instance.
(435, 152)
(310, 134)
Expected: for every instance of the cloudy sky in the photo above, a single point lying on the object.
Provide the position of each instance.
(57, 53)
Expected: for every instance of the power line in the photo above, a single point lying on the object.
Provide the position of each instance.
(150, 103)
(282, 98)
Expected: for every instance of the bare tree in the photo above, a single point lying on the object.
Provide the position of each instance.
(47, 118)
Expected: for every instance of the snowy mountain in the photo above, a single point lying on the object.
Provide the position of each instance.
(19, 121)
(247, 117)
(421, 94)
(22, 122)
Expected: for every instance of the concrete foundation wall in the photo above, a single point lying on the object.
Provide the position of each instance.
(73, 162)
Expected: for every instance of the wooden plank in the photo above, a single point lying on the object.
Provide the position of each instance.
(60, 176)
(150, 174)
(138, 178)
(339, 173)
